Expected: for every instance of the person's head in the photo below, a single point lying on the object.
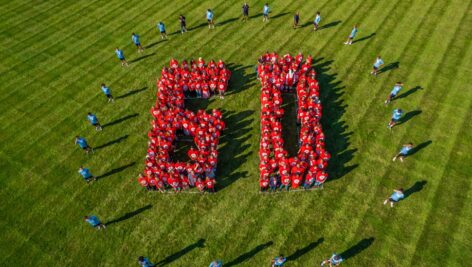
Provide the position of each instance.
(103, 84)
(266, 4)
(399, 83)
(86, 217)
(160, 22)
(140, 258)
(378, 56)
(117, 48)
(77, 137)
(356, 25)
(133, 33)
(400, 110)
(410, 144)
(317, 13)
(401, 190)
(209, 10)
(89, 113)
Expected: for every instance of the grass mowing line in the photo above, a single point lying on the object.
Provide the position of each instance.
(23, 15)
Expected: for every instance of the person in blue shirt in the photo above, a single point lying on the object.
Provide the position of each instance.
(95, 222)
(94, 121)
(107, 92)
(136, 42)
(273, 183)
(210, 18)
(403, 152)
(245, 9)
(396, 116)
(296, 20)
(85, 173)
(121, 56)
(83, 144)
(265, 12)
(216, 263)
(396, 89)
(145, 262)
(352, 35)
(316, 22)
(162, 29)
(335, 260)
(396, 196)
(377, 65)
(279, 261)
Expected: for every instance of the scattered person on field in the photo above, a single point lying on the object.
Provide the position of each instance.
(216, 263)
(83, 144)
(245, 12)
(316, 22)
(377, 65)
(162, 30)
(136, 42)
(352, 35)
(121, 56)
(107, 92)
(396, 116)
(265, 12)
(95, 222)
(85, 173)
(210, 16)
(335, 260)
(279, 261)
(396, 196)
(92, 118)
(183, 24)
(296, 19)
(396, 89)
(145, 262)
(403, 152)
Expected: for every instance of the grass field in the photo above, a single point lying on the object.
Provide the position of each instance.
(55, 55)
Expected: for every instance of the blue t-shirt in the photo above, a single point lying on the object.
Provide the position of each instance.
(317, 19)
(92, 118)
(353, 33)
(336, 259)
(146, 263)
(135, 38)
(93, 221)
(396, 196)
(85, 173)
(81, 142)
(378, 62)
(106, 90)
(279, 261)
(396, 89)
(216, 264)
(119, 53)
(405, 150)
(266, 10)
(396, 114)
(209, 15)
(162, 27)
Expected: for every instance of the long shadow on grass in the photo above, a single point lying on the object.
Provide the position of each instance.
(169, 259)
(409, 92)
(244, 257)
(129, 215)
(408, 116)
(116, 170)
(364, 38)
(419, 147)
(116, 141)
(155, 43)
(120, 120)
(357, 248)
(142, 57)
(302, 251)
(132, 92)
(390, 66)
(242, 78)
(418, 186)
(335, 129)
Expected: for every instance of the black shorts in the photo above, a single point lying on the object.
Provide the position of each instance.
(109, 95)
(85, 148)
(375, 68)
(137, 44)
(392, 200)
(163, 32)
(209, 20)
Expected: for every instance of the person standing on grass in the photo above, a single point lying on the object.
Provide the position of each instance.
(273, 183)
(107, 92)
(245, 12)
(94, 121)
(279, 261)
(85, 173)
(210, 15)
(83, 144)
(403, 152)
(396, 116)
(265, 12)
(183, 24)
(316, 22)
(136, 42)
(95, 222)
(377, 65)
(396, 196)
(121, 56)
(162, 30)
(296, 20)
(396, 89)
(145, 262)
(351, 36)
(335, 260)
(216, 263)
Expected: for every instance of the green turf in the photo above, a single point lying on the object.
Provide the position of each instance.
(55, 54)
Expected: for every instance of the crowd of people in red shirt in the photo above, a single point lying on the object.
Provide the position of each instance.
(279, 74)
(172, 121)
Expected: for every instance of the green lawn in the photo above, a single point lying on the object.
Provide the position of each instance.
(55, 55)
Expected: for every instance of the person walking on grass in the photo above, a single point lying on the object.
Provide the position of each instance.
(121, 56)
(296, 20)
(316, 22)
(162, 29)
(216, 263)
(265, 13)
(136, 42)
(396, 116)
(396, 89)
(210, 16)
(403, 152)
(335, 260)
(94, 121)
(377, 65)
(352, 35)
(95, 222)
(85, 173)
(145, 262)
(107, 92)
(396, 196)
(82, 143)
(245, 9)
(279, 261)
(183, 24)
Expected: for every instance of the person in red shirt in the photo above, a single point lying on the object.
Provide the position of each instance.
(200, 185)
(264, 184)
(321, 177)
(210, 185)
(142, 180)
(285, 180)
